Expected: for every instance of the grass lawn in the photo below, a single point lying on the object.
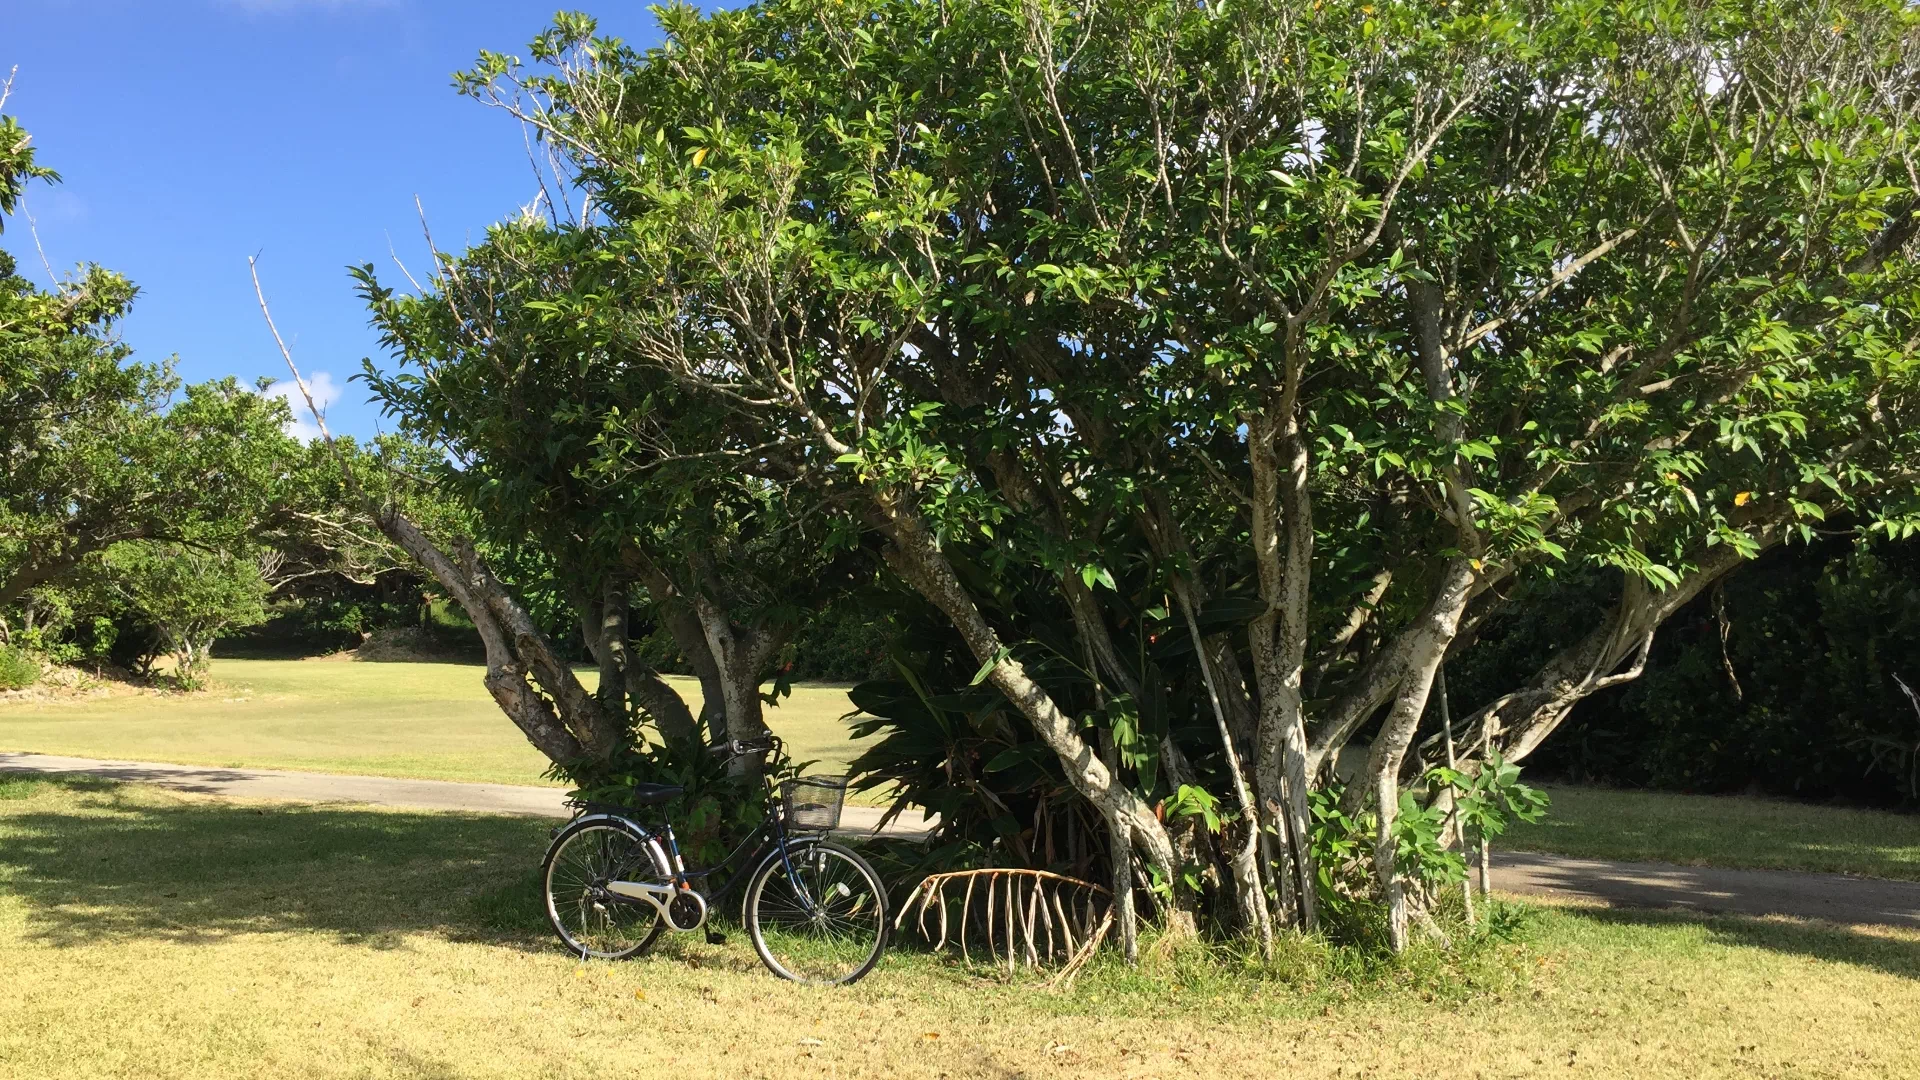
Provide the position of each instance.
(1723, 830)
(436, 721)
(429, 721)
(150, 934)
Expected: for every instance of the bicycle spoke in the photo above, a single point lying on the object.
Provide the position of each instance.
(822, 922)
(590, 920)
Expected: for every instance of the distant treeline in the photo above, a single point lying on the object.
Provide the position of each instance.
(1786, 680)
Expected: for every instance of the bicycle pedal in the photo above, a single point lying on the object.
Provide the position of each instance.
(715, 937)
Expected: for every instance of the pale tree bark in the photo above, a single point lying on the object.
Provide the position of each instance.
(740, 654)
(561, 720)
(1188, 838)
(727, 658)
(1455, 829)
(566, 723)
(1235, 714)
(913, 554)
(1426, 643)
(1518, 722)
(684, 627)
(1427, 639)
(606, 625)
(1282, 527)
(1249, 884)
(1103, 660)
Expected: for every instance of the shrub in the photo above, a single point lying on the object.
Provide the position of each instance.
(717, 810)
(19, 668)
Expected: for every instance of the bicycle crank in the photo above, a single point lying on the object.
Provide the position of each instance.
(682, 908)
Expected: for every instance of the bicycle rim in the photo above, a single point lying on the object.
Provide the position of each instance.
(826, 923)
(591, 922)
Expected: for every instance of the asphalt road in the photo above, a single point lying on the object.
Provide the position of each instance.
(1834, 897)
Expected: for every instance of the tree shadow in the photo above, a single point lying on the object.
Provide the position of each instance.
(109, 864)
(1893, 954)
(1826, 897)
(193, 779)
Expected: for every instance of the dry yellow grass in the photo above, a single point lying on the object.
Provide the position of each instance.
(148, 934)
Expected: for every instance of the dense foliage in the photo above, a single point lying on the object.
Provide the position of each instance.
(119, 486)
(1333, 325)
(1147, 400)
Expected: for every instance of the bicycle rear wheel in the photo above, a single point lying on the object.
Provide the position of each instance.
(825, 922)
(591, 921)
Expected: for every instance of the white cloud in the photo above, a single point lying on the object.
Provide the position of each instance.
(321, 387)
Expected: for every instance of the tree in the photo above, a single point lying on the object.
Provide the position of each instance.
(190, 597)
(96, 450)
(567, 446)
(16, 158)
(1303, 333)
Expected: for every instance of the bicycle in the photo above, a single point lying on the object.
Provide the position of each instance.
(815, 911)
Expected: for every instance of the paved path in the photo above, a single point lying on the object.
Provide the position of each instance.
(1835, 897)
(1621, 884)
(375, 790)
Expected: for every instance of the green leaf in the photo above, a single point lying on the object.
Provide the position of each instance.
(986, 669)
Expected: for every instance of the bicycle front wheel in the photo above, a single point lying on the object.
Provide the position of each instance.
(819, 915)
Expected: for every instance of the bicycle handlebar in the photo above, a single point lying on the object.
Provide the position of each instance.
(742, 747)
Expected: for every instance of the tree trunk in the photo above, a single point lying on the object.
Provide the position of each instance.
(1124, 915)
(1524, 718)
(729, 700)
(606, 627)
(1427, 641)
(566, 723)
(1189, 837)
(684, 626)
(913, 554)
(1283, 555)
(1454, 824)
(739, 654)
(1249, 885)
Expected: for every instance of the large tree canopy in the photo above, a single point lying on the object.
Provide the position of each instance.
(1308, 331)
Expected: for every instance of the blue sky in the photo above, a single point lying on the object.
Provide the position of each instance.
(194, 133)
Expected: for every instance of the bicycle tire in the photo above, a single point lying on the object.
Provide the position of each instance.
(827, 945)
(646, 922)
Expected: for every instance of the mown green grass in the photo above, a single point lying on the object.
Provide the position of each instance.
(425, 721)
(1723, 830)
(152, 934)
(435, 721)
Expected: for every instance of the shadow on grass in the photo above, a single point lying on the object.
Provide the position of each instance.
(1830, 942)
(92, 860)
(106, 861)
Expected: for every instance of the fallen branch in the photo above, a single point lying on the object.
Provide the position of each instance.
(1056, 917)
